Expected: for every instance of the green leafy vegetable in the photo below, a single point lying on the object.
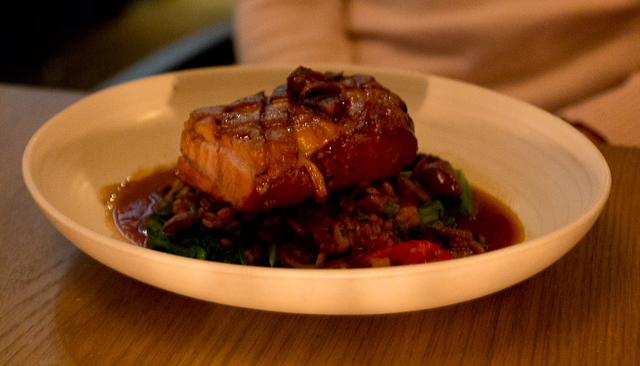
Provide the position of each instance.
(241, 256)
(158, 239)
(273, 251)
(431, 212)
(390, 210)
(363, 217)
(194, 242)
(193, 212)
(401, 231)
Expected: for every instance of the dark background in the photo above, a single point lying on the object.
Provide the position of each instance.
(79, 44)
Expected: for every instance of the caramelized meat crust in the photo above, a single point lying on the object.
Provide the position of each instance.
(316, 134)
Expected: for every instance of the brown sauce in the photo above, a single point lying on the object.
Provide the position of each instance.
(494, 220)
(131, 202)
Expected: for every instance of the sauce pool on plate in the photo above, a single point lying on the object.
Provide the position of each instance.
(130, 203)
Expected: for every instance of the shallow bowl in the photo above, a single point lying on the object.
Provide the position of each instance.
(552, 177)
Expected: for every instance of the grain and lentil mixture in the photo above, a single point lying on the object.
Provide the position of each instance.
(413, 217)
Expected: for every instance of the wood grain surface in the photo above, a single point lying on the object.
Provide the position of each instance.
(60, 307)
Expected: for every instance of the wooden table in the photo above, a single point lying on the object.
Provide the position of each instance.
(60, 307)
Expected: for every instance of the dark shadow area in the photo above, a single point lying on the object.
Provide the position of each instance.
(80, 44)
(31, 31)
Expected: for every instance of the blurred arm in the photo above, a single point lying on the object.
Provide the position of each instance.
(615, 113)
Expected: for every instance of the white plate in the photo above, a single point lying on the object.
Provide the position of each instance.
(553, 178)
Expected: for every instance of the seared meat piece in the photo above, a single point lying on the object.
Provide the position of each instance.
(316, 134)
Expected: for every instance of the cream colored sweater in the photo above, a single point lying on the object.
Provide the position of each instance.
(557, 54)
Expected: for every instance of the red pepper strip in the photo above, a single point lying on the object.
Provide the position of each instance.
(409, 252)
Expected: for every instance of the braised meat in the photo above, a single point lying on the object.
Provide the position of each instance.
(318, 133)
